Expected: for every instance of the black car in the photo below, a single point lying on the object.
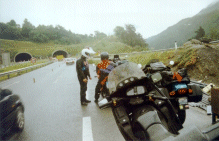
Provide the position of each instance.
(12, 113)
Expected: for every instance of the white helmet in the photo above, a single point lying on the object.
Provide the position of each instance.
(87, 51)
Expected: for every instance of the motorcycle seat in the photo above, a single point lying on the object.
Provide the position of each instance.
(152, 125)
(151, 118)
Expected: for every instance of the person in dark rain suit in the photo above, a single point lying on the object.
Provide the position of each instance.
(103, 69)
(82, 68)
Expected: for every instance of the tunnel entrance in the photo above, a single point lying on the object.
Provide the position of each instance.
(22, 57)
(60, 52)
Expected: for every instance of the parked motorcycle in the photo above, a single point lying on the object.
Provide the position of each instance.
(133, 101)
(177, 86)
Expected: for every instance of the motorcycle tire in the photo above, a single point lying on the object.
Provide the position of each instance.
(182, 115)
(19, 122)
(139, 132)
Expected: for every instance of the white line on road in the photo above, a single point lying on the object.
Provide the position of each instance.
(87, 134)
(10, 85)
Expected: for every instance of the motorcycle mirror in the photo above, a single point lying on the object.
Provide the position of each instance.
(156, 77)
(171, 63)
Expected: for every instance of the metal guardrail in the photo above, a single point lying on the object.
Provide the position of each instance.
(23, 69)
(12, 64)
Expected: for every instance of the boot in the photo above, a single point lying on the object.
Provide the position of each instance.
(83, 103)
(87, 101)
(96, 100)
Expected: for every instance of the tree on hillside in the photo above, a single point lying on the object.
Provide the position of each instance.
(12, 23)
(214, 34)
(200, 33)
(120, 32)
(129, 36)
(26, 28)
(9, 32)
(99, 35)
(43, 34)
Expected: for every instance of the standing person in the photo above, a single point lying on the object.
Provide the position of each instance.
(82, 68)
(103, 69)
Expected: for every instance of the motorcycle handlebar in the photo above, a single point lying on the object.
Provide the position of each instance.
(160, 98)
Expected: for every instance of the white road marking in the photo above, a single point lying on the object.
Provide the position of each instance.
(87, 134)
(10, 85)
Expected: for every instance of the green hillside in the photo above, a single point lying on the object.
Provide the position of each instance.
(208, 18)
(109, 44)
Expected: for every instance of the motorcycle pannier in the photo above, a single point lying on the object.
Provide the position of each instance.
(197, 93)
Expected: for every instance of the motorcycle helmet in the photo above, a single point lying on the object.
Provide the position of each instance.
(87, 51)
(104, 56)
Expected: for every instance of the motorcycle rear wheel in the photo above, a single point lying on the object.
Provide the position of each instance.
(182, 115)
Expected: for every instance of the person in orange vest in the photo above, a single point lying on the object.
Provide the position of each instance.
(103, 69)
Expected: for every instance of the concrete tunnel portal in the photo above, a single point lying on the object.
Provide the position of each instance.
(22, 57)
(60, 52)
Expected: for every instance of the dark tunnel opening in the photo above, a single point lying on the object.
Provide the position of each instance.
(22, 57)
(60, 52)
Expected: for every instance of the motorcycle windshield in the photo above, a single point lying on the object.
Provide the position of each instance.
(122, 72)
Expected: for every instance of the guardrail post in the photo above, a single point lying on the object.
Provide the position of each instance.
(8, 76)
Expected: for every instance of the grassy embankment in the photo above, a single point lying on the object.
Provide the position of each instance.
(110, 45)
(182, 57)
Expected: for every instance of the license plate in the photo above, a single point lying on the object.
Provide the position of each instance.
(183, 101)
(176, 87)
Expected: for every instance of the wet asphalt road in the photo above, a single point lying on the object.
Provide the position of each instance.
(53, 110)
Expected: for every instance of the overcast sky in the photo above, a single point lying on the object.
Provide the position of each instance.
(150, 17)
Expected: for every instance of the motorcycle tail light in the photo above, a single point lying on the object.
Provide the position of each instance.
(182, 91)
(172, 93)
(190, 91)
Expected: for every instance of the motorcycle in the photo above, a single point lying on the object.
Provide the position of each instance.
(138, 117)
(177, 85)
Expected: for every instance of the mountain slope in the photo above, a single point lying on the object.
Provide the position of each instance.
(185, 29)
